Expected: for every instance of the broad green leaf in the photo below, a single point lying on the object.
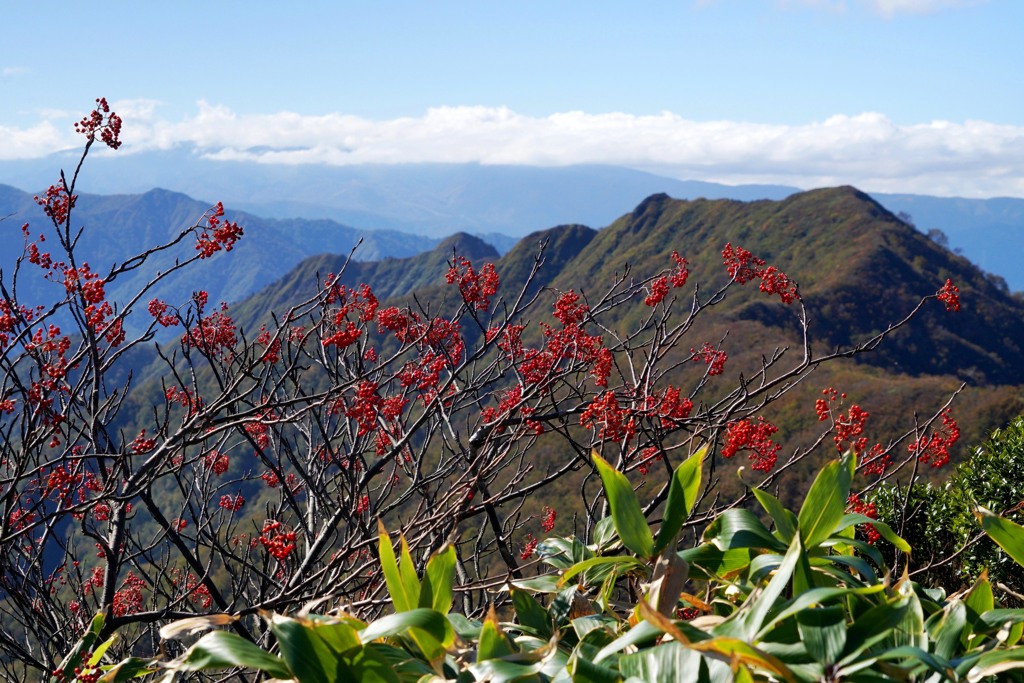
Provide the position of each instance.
(814, 597)
(392, 577)
(224, 650)
(825, 503)
(305, 653)
(785, 520)
(682, 496)
(643, 632)
(1008, 534)
(548, 583)
(736, 650)
(916, 655)
(823, 632)
(629, 519)
(622, 564)
(852, 518)
(995, 662)
(493, 642)
(944, 629)
(368, 666)
(750, 618)
(339, 636)
(407, 570)
(708, 561)
(438, 580)
(84, 644)
(530, 613)
(586, 671)
(979, 600)
(873, 626)
(669, 661)
(910, 630)
(429, 621)
(739, 528)
(127, 669)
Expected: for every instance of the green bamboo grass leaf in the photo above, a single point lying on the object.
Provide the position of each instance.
(785, 520)
(707, 561)
(643, 632)
(825, 503)
(669, 661)
(873, 626)
(823, 632)
(407, 570)
(740, 528)
(683, 491)
(438, 580)
(224, 650)
(630, 522)
(427, 620)
(493, 642)
(996, 662)
(303, 651)
(585, 671)
(622, 564)
(813, 597)
(84, 644)
(944, 628)
(1009, 535)
(530, 613)
(127, 669)
(389, 566)
(852, 518)
(979, 600)
(368, 666)
(751, 617)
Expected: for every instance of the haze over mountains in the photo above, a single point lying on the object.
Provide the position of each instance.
(860, 269)
(500, 203)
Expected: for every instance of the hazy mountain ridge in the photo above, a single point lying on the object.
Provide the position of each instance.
(441, 199)
(859, 268)
(119, 226)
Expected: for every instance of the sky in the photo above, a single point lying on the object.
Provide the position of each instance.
(916, 96)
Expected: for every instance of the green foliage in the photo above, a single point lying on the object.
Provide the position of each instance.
(939, 520)
(817, 607)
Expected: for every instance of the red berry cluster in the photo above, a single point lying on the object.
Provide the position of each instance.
(949, 295)
(529, 548)
(610, 420)
(755, 438)
(548, 523)
(215, 335)
(232, 503)
(158, 309)
(744, 267)
(217, 234)
(677, 278)
(128, 599)
(104, 121)
(57, 203)
(934, 450)
(476, 288)
(278, 543)
(712, 357)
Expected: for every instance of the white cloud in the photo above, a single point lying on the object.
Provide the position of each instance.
(10, 71)
(970, 158)
(885, 8)
(889, 8)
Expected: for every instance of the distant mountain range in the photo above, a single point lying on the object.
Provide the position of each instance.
(120, 226)
(859, 267)
(498, 203)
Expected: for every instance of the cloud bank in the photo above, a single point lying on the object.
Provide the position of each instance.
(970, 158)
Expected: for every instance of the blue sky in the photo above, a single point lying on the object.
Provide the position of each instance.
(891, 95)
